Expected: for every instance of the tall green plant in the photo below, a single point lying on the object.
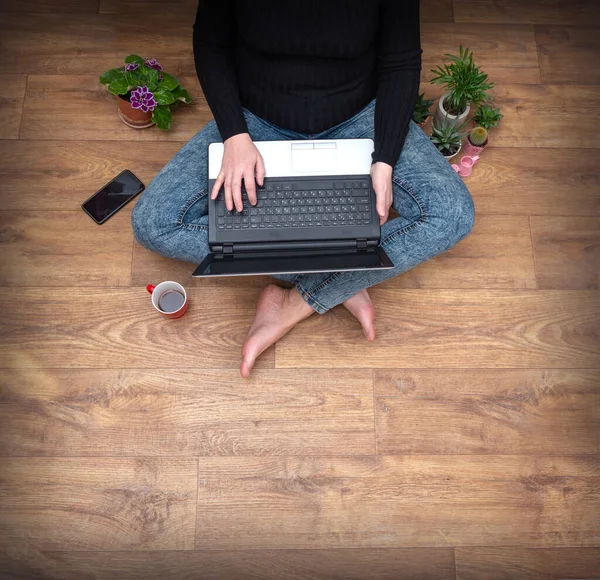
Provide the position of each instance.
(465, 82)
(147, 88)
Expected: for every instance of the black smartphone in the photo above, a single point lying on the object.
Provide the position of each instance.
(113, 196)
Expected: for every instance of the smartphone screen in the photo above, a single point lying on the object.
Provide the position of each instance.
(113, 196)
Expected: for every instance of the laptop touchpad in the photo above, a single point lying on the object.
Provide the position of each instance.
(314, 157)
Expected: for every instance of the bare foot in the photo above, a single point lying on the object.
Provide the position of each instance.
(361, 306)
(277, 312)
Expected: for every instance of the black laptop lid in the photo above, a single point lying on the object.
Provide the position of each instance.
(287, 263)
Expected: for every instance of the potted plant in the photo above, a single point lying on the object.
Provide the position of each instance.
(421, 112)
(145, 93)
(447, 138)
(487, 117)
(476, 142)
(465, 83)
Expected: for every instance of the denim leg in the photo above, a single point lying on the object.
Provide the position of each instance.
(170, 217)
(436, 212)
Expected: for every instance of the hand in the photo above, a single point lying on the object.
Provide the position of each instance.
(241, 160)
(381, 176)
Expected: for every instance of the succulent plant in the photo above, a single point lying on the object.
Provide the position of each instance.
(478, 136)
(421, 110)
(487, 117)
(465, 82)
(447, 138)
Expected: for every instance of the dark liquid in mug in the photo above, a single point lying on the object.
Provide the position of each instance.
(171, 301)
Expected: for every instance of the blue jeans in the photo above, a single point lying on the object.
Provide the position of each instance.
(436, 209)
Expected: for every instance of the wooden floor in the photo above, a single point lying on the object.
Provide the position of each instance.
(462, 444)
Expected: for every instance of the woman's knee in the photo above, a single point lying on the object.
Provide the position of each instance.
(148, 222)
(455, 211)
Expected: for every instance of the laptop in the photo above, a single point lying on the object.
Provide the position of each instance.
(315, 213)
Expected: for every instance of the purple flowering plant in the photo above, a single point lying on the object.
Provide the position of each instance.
(139, 82)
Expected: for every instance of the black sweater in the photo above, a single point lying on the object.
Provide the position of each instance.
(308, 65)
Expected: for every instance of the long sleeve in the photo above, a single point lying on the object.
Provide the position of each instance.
(399, 67)
(214, 37)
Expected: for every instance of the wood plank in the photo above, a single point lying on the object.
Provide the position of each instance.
(60, 248)
(454, 329)
(91, 504)
(487, 411)
(185, 412)
(88, 44)
(497, 254)
(53, 6)
(61, 175)
(12, 94)
(65, 107)
(184, 9)
(575, 12)
(437, 11)
(526, 563)
(547, 116)
(148, 266)
(386, 564)
(427, 501)
(507, 53)
(569, 54)
(119, 328)
(536, 181)
(567, 252)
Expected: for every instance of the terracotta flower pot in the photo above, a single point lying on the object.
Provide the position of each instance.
(135, 118)
(473, 150)
(442, 116)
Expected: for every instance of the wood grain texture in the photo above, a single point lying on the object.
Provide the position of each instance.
(12, 94)
(436, 11)
(567, 252)
(148, 266)
(516, 563)
(119, 328)
(88, 44)
(398, 501)
(185, 412)
(552, 412)
(497, 254)
(547, 116)
(454, 329)
(185, 10)
(580, 12)
(52, 6)
(59, 248)
(68, 107)
(528, 181)
(569, 54)
(61, 175)
(385, 564)
(91, 504)
(507, 53)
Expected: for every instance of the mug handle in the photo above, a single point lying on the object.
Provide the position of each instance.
(150, 288)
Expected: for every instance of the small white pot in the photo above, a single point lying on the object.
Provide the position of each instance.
(454, 154)
(442, 116)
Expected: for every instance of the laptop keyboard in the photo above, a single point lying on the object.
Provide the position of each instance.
(300, 204)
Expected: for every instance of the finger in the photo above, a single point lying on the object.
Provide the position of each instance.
(228, 193)
(217, 186)
(250, 186)
(236, 188)
(382, 207)
(260, 170)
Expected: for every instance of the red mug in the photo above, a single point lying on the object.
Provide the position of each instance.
(169, 298)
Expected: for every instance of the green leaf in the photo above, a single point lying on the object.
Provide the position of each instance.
(111, 75)
(118, 87)
(181, 94)
(134, 58)
(150, 78)
(134, 79)
(163, 96)
(168, 81)
(162, 117)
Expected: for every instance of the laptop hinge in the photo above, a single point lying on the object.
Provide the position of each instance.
(361, 244)
(228, 250)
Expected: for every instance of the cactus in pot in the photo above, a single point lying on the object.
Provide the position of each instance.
(476, 142)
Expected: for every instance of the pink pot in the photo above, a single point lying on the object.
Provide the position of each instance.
(472, 150)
